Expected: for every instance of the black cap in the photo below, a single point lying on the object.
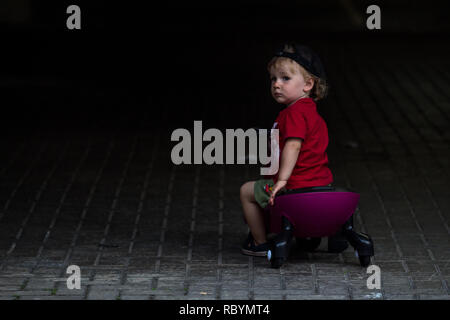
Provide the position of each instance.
(305, 57)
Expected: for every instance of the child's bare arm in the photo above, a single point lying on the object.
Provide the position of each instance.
(289, 157)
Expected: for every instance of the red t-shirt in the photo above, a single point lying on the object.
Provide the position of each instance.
(301, 120)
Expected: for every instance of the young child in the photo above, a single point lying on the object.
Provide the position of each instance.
(297, 81)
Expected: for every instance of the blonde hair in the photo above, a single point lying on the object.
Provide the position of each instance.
(319, 90)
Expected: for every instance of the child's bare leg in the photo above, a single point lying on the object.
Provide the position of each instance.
(253, 213)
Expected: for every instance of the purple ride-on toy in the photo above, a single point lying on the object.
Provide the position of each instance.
(312, 213)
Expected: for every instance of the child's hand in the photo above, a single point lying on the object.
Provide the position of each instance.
(277, 187)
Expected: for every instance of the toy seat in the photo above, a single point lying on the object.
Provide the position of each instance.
(316, 212)
(313, 213)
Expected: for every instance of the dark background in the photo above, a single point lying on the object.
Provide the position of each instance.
(140, 66)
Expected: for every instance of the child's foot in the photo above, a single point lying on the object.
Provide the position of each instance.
(249, 247)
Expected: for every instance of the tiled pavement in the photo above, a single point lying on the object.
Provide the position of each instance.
(139, 227)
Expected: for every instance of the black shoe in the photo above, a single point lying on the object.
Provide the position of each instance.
(250, 249)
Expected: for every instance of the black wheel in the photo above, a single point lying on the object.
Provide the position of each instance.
(276, 262)
(337, 244)
(308, 244)
(364, 261)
